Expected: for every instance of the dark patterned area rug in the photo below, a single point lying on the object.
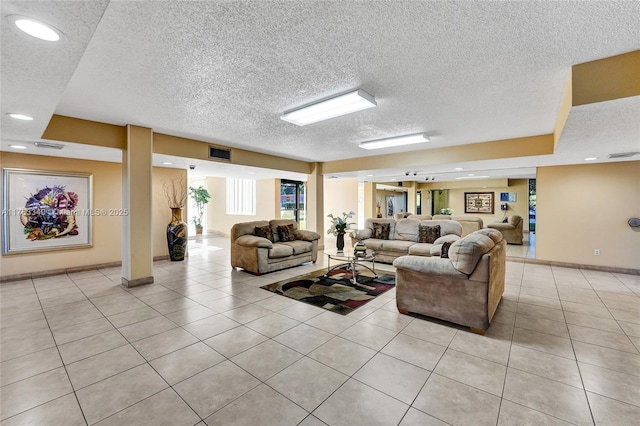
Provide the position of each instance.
(335, 293)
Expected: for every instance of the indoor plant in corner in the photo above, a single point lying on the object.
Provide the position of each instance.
(201, 197)
(177, 236)
(339, 226)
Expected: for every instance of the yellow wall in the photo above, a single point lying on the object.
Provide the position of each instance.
(218, 221)
(586, 207)
(107, 187)
(457, 200)
(340, 195)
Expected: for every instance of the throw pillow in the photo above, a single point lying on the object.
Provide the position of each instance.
(428, 233)
(381, 230)
(506, 220)
(264, 232)
(286, 233)
(444, 251)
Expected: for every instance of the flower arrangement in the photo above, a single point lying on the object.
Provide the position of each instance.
(339, 225)
(446, 211)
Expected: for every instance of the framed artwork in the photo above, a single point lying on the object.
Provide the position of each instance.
(390, 205)
(478, 202)
(509, 197)
(44, 211)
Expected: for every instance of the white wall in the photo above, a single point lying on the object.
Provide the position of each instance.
(340, 195)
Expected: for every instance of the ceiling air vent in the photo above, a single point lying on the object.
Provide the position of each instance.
(219, 153)
(623, 154)
(48, 145)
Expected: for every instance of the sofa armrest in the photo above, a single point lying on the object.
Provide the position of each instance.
(427, 265)
(361, 234)
(307, 235)
(253, 241)
(501, 225)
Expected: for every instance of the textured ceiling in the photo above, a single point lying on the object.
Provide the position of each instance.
(463, 72)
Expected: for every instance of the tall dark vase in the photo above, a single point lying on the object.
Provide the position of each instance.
(340, 241)
(177, 236)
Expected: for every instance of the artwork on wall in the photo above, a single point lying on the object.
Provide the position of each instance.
(509, 197)
(44, 211)
(390, 205)
(478, 202)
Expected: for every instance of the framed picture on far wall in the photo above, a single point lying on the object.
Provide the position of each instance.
(478, 202)
(390, 205)
(45, 211)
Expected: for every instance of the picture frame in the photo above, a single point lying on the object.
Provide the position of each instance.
(478, 202)
(390, 205)
(509, 197)
(46, 210)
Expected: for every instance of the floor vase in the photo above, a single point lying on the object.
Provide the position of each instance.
(177, 236)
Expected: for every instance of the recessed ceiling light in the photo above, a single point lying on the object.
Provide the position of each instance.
(20, 116)
(330, 108)
(252, 173)
(17, 146)
(369, 175)
(36, 28)
(471, 174)
(458, 169)
(395, 141)
(393, 179)
(590, 158)
(166, 163)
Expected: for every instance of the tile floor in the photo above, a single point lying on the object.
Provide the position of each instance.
(204, 345)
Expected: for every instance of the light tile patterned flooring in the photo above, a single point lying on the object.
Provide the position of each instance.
(205, 345)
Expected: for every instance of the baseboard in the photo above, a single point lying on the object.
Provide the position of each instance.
(617, 270)
(62, 271)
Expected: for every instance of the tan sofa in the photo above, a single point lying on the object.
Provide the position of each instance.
(465, 288)
(512, 231)
(403, 238)
(469, 223)
(259, 255)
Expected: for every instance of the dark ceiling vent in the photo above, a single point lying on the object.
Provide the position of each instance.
(624, 154)
(219, 153)
(48, 145)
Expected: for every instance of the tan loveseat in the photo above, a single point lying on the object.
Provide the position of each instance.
(512, 230)
(469, 223)
(464, 288)
(403, 237)
(259, 255)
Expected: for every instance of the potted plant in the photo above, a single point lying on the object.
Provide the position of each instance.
(201, 197)
(339, 226)
(446, 211)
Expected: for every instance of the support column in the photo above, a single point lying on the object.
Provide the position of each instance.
(411, 196)
(369, 200)
(315, 202)
(137, 244)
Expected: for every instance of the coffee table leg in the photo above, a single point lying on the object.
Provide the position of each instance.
(354, 274)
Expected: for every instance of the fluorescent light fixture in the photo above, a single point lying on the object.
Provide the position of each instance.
(458, 169)
(396, 141)
(472, 177)
(17, 146)
(369, 175)
(166, 163)
(20, 116)
(330, 108)
(36, 28)
(48, 145)
(591, 159)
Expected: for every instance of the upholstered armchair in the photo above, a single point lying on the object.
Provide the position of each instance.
(511, 230)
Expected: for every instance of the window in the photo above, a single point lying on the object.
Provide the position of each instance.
(241, 196)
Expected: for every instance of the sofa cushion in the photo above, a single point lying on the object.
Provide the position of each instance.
(428, 233)
(447, 226)
(374, 244)
(451, 238)
(264, 232)
(286, 233)
(466, 252)
(420, 249)
(280, 250)
(407, 230)
(246, 228)
(299, 247)
(397, 246)
(381, 230)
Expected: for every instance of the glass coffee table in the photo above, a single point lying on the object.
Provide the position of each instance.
(352, 261)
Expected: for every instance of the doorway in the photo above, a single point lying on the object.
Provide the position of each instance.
(419, 202)
(440, 200)
(292, 201)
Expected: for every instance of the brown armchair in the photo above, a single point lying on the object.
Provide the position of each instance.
(511, 230)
